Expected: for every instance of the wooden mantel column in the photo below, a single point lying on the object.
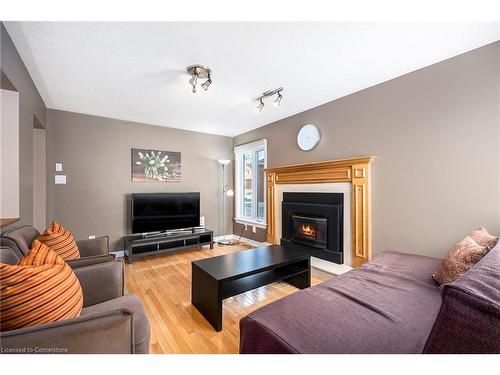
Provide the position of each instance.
(355, 170)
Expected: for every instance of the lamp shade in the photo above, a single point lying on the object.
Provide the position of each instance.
(224, 161)
(230, 192)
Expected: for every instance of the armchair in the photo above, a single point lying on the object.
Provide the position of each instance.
(91, 251)
(110, 322)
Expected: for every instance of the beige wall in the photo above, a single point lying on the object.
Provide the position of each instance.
(95, 153)
(30, 104)
(436, 133)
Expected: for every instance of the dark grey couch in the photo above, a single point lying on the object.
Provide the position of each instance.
(110, 322)
(91, 251)
(389, 305)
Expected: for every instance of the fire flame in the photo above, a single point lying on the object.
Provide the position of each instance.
(307, 230)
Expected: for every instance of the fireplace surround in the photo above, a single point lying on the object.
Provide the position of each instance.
(314, 222)
(355, 171)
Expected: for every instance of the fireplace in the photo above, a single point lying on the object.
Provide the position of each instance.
(314, 222)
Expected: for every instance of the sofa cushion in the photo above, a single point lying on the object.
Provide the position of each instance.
(40, 289)
(469, 320)
(388, 305)
(60, 240)
(459, 260)
(483, 238)
(130, 303)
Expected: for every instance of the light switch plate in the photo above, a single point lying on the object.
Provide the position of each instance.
(91, 236)
(60, 179)
(58, 167)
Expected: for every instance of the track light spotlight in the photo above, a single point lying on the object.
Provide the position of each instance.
(277, 101)
(207, 83)
(193, 81)
(258, 109)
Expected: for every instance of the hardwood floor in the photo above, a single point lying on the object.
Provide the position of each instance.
(163, 284)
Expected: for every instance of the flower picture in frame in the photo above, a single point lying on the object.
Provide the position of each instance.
(155, 166)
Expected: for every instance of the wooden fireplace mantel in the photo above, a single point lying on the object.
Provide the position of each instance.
(354, 170)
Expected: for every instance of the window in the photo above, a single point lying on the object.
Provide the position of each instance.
(250, 199)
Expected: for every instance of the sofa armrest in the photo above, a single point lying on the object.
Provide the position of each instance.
(95, 246)
(101, 282)
(89, 261)
(109, 332)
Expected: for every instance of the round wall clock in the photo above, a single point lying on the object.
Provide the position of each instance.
(308, 137)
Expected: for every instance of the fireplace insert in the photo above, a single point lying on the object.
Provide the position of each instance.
(309, 230)
(314, 222)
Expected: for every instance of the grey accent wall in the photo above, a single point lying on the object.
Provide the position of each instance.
(95, 153)
(436, 133)
(30, 104)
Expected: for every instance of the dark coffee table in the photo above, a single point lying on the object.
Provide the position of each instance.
(217, 278)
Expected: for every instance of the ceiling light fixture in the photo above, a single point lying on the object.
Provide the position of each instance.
(268, 94)
(199, 72)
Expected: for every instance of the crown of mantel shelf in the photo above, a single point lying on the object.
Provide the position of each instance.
(323, 164)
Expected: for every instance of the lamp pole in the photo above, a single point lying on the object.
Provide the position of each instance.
(225, 191)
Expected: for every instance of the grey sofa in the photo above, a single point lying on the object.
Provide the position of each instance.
(110, 322)
(91, 251)
(389, 305)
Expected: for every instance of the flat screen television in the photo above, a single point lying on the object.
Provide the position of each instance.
(152, 212)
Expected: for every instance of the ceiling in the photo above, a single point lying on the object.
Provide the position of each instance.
(136, 71)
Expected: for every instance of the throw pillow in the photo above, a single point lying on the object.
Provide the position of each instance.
(61, 241)
(483, 238)
(40, 289)
(459, 260)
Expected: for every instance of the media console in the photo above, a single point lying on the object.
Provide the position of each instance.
(141, 245)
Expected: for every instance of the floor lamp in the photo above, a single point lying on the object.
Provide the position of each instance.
(226, 191)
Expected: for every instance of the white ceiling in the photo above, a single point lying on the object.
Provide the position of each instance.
(136, 71)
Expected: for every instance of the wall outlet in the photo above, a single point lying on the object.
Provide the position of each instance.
(246, 227)
(60, 179)
(91, 237)
(254, 229)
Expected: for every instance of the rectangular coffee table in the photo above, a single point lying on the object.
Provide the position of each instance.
(217, 278)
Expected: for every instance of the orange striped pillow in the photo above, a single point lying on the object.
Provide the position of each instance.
(60, 240)
(40, 289)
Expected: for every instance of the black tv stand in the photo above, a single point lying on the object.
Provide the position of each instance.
(156, 243)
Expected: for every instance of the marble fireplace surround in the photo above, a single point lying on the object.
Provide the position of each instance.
(348, 176)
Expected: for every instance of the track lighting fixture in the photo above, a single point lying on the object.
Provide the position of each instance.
(268, 94)
(199, 72)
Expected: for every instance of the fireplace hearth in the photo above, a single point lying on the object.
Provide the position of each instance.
(314, 222)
